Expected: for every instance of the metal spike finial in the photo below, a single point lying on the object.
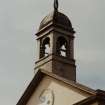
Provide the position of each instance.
(55, 4)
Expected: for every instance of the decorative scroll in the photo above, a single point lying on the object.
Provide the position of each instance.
(46, 97)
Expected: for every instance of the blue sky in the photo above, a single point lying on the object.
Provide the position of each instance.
(19, 21)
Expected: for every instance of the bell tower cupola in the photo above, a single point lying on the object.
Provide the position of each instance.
(55, 39)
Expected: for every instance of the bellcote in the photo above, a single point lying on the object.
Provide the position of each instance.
(55, 39)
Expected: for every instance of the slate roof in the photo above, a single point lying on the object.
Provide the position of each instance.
(99, 98)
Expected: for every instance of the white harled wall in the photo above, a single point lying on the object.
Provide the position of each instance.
(56, 93)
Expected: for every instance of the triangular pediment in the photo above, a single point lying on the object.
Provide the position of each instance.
(57, 90)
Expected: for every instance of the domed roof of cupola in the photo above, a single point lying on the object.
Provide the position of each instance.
(56, 18)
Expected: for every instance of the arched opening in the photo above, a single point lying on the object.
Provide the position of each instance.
(62, 47)
(45, 47)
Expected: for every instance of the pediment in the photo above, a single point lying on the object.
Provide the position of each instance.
(62, 90)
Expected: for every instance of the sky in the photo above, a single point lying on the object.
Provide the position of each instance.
(19, 21)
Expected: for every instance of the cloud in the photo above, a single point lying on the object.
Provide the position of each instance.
(20, 20)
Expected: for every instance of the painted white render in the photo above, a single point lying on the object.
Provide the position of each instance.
(61, 93)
